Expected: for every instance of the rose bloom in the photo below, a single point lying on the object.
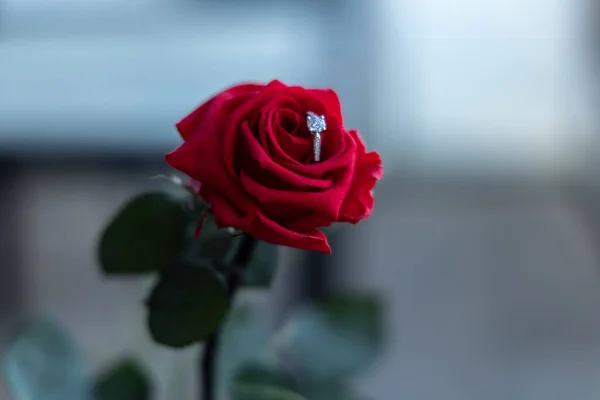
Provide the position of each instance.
(249, 154)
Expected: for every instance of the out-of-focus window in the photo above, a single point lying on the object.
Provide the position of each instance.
(117, 74)
(496, 85)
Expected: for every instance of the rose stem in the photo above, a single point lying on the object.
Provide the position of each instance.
(209, 355)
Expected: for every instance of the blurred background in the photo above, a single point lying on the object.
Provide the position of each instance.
(485, 241)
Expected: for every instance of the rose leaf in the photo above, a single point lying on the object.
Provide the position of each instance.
(333, 339)
(337, 391)
(126, 380)
(187, 304)
(43, 362)
(260, 380)
(214, 245)
(145, 235)
(262, 267)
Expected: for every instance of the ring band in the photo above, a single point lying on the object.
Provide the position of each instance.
(316, 125)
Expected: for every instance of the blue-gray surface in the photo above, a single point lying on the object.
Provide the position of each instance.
(491, 299)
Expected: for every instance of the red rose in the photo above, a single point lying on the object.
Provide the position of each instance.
(251, 151)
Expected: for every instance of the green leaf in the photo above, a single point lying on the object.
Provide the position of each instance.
(245, 335)
(218, 246)
(335, 391)
(43, 362)
(126, 380)
(187, 304)
(263, 266)
(356, 313)
(264, 381)
(332, 340)
(146, 234)
(214, 245)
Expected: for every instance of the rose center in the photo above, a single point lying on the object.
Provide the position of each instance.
(290, 123)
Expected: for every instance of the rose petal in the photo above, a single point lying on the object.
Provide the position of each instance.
(308, 221)
(272, 137)
(187, 125)
(234, 116)
(290, 149)
(373, 159)
(359, 203)
(261, 181)
(209, 172)
(331, 103)
(264, 126)
(304, 172)
(258, 154)
(195, 185)
(269, 231)
(201, 157)
(334, 149)
(326, 202)
(265, 229)
(289, 121)
(338, 149)
(227, 214)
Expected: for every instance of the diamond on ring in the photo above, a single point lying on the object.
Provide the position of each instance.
(316, 125)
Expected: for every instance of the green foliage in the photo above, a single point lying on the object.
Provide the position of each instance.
(262, 380)
(333, 339)
(154, 233)
(126, 380)
(42, 362)
(214, 246)
(323, 343)
(245, 334)
(187, 304)
(218, 247)
(262, 268)
(146, 234)
(336, 391)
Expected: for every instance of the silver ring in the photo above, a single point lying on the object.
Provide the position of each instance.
(316, 125)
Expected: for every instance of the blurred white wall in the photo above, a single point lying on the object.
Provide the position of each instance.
(496, 86)
(118, 74)
(499, 86)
